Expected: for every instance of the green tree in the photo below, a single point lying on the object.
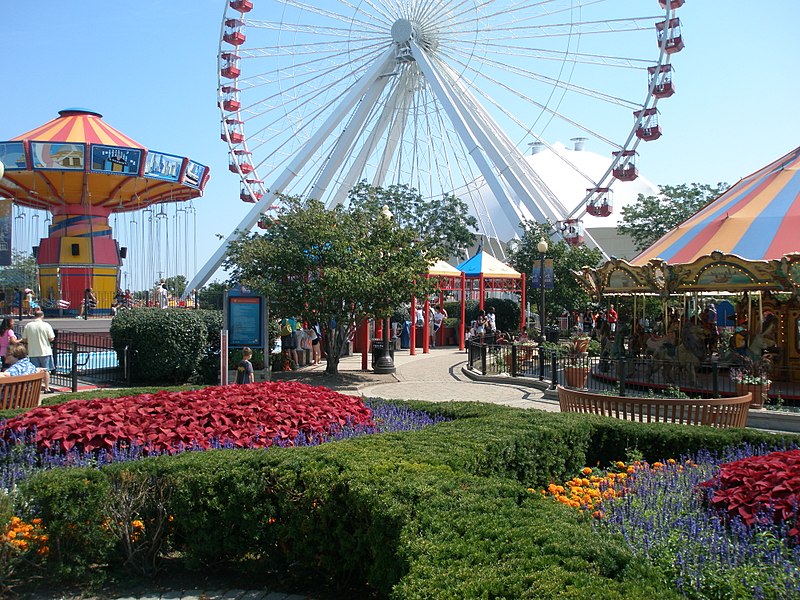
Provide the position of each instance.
(445, 221)
(566, 293)
(334, 267)
(176, 284)
(211, 296)
(650, 217)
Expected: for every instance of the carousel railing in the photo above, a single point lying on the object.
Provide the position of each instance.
(627, 375)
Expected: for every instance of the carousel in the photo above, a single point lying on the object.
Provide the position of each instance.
(741, 250)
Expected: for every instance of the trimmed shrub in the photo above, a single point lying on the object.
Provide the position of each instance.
(207, 371)
(167, 345)
(443, 512)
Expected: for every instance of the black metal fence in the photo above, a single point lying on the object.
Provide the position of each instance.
(85, 359)
(623, 375)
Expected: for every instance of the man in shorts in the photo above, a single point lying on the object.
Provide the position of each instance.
(38, 335)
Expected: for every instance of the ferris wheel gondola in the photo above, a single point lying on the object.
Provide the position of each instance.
(441, 95)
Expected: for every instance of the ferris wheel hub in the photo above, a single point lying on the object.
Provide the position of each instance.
(403, 31)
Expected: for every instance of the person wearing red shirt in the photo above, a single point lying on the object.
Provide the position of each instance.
(611, 317)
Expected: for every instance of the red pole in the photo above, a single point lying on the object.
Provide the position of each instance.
(412, 350)
(481, 290)
(365, 344)
(426, 342)
(522, 320)
(461, 329)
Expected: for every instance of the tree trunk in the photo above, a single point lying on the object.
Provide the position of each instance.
(334, 344)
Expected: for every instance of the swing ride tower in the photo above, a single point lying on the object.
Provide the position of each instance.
(82, 170)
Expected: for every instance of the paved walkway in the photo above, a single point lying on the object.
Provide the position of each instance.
(439, 377)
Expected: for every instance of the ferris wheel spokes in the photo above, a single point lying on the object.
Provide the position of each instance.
(292, 170)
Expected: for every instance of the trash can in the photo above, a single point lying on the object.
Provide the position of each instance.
(551, 334)
(405, 335)
(377, 350)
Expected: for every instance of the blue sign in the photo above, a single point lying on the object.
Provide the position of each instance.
(549, 277)
(194, 174)
(12, 155)
(246, 325)
(162, 166)
(55, 155)
(111, 159)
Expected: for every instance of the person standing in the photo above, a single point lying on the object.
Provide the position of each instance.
(89, 303)
(288, 331)
(163, 298)
(439, 316)
(39, 336)
(314, 335)
(612, 317)
(244, 371)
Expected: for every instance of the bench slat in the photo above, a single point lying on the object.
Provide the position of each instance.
(21, 391)
(713, 412)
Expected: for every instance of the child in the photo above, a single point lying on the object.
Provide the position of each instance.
(244, 372)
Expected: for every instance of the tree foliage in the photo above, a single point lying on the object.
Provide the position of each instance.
(334, 267)
(650, 217)
(566, 293)
(21, 273)
(445, 221)
(176, 284)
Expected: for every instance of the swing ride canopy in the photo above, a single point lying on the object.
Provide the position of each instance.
(77, 163)
(744, 240)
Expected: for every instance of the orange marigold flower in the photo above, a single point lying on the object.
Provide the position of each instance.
(586, 470)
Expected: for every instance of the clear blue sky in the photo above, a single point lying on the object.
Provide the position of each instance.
(150, 67)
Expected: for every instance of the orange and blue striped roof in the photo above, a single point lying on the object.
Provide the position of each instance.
(756, 219)
(79, 126)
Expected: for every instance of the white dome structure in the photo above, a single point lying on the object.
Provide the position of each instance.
(567, 172)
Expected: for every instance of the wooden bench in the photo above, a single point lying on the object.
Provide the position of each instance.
(21, 391)
(714, 412)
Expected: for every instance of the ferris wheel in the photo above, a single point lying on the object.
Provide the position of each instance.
(441, 95)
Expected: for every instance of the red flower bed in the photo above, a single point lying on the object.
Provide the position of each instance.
(752, 486)
(252, 415)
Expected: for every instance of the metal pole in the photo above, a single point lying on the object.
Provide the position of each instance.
(74, 371)
(541, 305)
(385, 363)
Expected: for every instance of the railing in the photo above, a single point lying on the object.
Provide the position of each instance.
(623, 375)
(88, 359)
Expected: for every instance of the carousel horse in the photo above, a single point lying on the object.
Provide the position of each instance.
(672, 360)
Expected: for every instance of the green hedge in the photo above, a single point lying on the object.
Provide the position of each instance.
(444, 512)
(167, 345)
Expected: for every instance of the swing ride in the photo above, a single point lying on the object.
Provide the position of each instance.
(81, 171)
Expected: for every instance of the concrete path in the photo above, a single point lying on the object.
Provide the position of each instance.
(439, 377)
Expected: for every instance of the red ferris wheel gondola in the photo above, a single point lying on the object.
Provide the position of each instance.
(600, 202)
(572, 231)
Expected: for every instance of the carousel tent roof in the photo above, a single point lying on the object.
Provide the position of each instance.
(488, 266)
(441, 267)
(757, 219)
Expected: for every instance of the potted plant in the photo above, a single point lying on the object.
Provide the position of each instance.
(753, 377)
(576, 369)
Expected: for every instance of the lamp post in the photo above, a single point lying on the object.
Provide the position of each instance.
(542, 248)
(385, 362)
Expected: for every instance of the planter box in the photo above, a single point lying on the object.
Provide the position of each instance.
(758, 391)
